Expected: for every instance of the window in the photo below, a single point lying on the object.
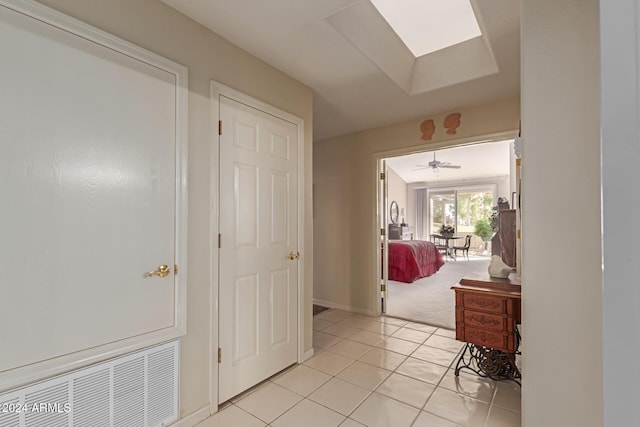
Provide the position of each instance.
(442, 210)
(460, 207)
(426, 26)
(473, 205)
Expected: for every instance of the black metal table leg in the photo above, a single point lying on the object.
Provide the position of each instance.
(488, 362)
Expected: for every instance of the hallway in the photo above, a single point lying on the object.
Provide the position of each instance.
(376, 372)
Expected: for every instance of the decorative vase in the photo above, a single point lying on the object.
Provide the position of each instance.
(498, 269)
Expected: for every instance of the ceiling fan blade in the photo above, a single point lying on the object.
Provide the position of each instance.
(436, 164)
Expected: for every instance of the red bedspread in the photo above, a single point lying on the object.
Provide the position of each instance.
(412, 259)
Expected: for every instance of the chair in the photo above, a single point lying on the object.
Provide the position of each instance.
(464, 248)
(438, 242)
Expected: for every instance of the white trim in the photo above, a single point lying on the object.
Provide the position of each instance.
(383, 205)
(379, 221)
(491, 185)
(308, 355)
(379, 155)
(463, 184)
(217, 90)
(194, 418)
(38, 371)
(433, 146)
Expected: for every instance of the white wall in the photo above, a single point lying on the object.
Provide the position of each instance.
(561, 285)
(620, 39)
(397, 191)
(155, 26)
(345, 179)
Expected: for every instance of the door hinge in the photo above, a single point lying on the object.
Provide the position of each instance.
(382, 231)
(219, 240)
(219, 355)
(382, 176)
(219, 127)
(383, 288)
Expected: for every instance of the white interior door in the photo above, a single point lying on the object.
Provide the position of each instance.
(258, 285)
(88, 187)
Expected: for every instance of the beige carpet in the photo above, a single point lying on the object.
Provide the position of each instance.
(430, 300)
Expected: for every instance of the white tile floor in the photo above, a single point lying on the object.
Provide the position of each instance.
(376, 372)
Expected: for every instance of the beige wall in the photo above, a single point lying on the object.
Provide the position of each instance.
(561, 294)
(397, 191)
(155, 26)
(345, 196)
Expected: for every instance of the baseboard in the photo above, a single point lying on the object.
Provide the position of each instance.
(307, 355)
(345, 307)
(194, 418)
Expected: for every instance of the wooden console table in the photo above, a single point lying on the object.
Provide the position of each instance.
(487, 313)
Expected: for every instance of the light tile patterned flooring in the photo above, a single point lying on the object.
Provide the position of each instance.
(376, 372)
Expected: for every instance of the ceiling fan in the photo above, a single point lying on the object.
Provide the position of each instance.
(436, 164)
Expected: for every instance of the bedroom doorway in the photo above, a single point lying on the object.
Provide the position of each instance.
(456, 187)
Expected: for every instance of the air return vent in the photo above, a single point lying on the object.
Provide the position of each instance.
(140, 389)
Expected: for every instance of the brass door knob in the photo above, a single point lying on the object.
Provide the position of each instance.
(294, 255)
(162, 271)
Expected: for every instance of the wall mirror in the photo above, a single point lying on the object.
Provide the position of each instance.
(393, 212)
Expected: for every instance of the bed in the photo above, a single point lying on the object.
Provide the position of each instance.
(410, 260)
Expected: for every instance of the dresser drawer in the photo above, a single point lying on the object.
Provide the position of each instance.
(477, 319)
(494, 339)
(490, 303)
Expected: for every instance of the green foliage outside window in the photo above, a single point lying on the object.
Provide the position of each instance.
(460, 209)
(483, 230)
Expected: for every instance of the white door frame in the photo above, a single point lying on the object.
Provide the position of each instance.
(217, 89)
(376, 165)
(384, 220)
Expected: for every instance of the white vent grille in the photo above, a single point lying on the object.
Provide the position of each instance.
(8, 417)
(137, 390)
(50, 403)
(128, 393)
(159, 373)
(91, 399)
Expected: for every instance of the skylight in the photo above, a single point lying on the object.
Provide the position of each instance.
(429, 25)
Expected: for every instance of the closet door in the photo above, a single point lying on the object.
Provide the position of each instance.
(90, 178)
(259, 258)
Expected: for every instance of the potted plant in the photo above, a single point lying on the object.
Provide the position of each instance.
(447, 231)
(484, 231)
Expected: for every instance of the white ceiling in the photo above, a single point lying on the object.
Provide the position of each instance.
(362, 75)
(486, 160)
